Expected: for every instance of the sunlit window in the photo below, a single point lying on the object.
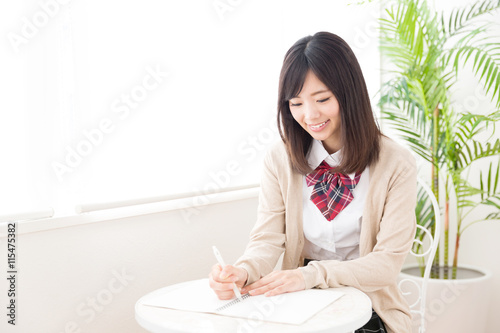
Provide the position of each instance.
(115, 100)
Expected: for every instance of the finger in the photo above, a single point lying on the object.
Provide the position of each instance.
(221, 286)
(225, 295)
(216, 283)
(219, 275)
(216, 269)
(292, 281)
(281, 289)
(214, 273)
(260, 283)
(265, 288)
(230, 271)
(226, 272)
(252, 286)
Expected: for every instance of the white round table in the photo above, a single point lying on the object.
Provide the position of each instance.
(346, 314)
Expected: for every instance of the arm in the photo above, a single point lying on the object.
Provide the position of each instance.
(267, 238)
(381, 266)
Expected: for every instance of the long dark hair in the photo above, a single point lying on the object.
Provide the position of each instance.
(330, 58)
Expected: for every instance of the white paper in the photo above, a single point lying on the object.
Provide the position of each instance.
(289, 308)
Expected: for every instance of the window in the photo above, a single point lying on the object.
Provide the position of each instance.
(117, 100)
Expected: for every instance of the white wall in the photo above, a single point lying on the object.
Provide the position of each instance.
(61, 270)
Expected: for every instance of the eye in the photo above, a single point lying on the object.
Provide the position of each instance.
(323, 100)
(295, 104)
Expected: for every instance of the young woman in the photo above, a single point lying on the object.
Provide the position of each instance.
(337, 197)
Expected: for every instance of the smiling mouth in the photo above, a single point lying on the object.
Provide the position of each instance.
(318, 126)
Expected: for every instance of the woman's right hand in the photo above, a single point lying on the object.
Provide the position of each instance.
(221, 280)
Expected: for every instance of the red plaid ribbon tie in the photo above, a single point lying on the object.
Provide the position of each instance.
(332, 192)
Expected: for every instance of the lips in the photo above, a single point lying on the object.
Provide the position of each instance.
(319, 126)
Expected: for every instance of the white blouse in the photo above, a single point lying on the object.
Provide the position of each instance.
(337, 239)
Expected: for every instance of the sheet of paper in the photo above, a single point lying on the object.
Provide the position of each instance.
(290, 308)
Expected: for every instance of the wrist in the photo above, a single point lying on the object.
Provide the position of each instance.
(246, 273)
(245, 278)
(310, 275)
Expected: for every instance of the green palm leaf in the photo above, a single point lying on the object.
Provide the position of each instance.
(427, 51)
(486, 65)
(461, 18)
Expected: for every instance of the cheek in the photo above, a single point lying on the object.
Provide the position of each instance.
(336, 109)
(296, 115)
(333, 112)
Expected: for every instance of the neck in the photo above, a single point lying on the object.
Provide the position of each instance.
(331, 146)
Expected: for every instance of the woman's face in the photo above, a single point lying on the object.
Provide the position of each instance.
(316, 109)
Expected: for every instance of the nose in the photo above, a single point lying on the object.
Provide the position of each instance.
(311, 112)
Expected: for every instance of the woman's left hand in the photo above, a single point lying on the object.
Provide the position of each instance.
(277, 282)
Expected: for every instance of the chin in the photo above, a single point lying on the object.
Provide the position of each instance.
(320, 136)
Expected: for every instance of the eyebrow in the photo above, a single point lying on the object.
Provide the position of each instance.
(314, 93)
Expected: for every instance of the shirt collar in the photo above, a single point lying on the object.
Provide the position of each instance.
(318, 153)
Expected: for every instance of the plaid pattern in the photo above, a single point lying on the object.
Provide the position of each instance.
(332, 192)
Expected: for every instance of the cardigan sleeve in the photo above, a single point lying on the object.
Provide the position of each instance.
(379, 268)
(267, 238)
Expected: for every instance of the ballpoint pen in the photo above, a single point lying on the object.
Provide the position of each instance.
(221, 262)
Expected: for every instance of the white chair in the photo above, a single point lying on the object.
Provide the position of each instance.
(418, 307)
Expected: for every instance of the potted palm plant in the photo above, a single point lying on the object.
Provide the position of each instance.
(427, 50)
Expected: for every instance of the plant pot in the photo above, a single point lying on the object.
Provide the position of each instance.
(457, 306)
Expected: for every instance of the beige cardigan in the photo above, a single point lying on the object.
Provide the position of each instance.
(387, 231)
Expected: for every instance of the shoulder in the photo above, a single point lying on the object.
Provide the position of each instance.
(277, 159)
(277, 149)
(393, 156)
(277, 153)
(394, 150)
